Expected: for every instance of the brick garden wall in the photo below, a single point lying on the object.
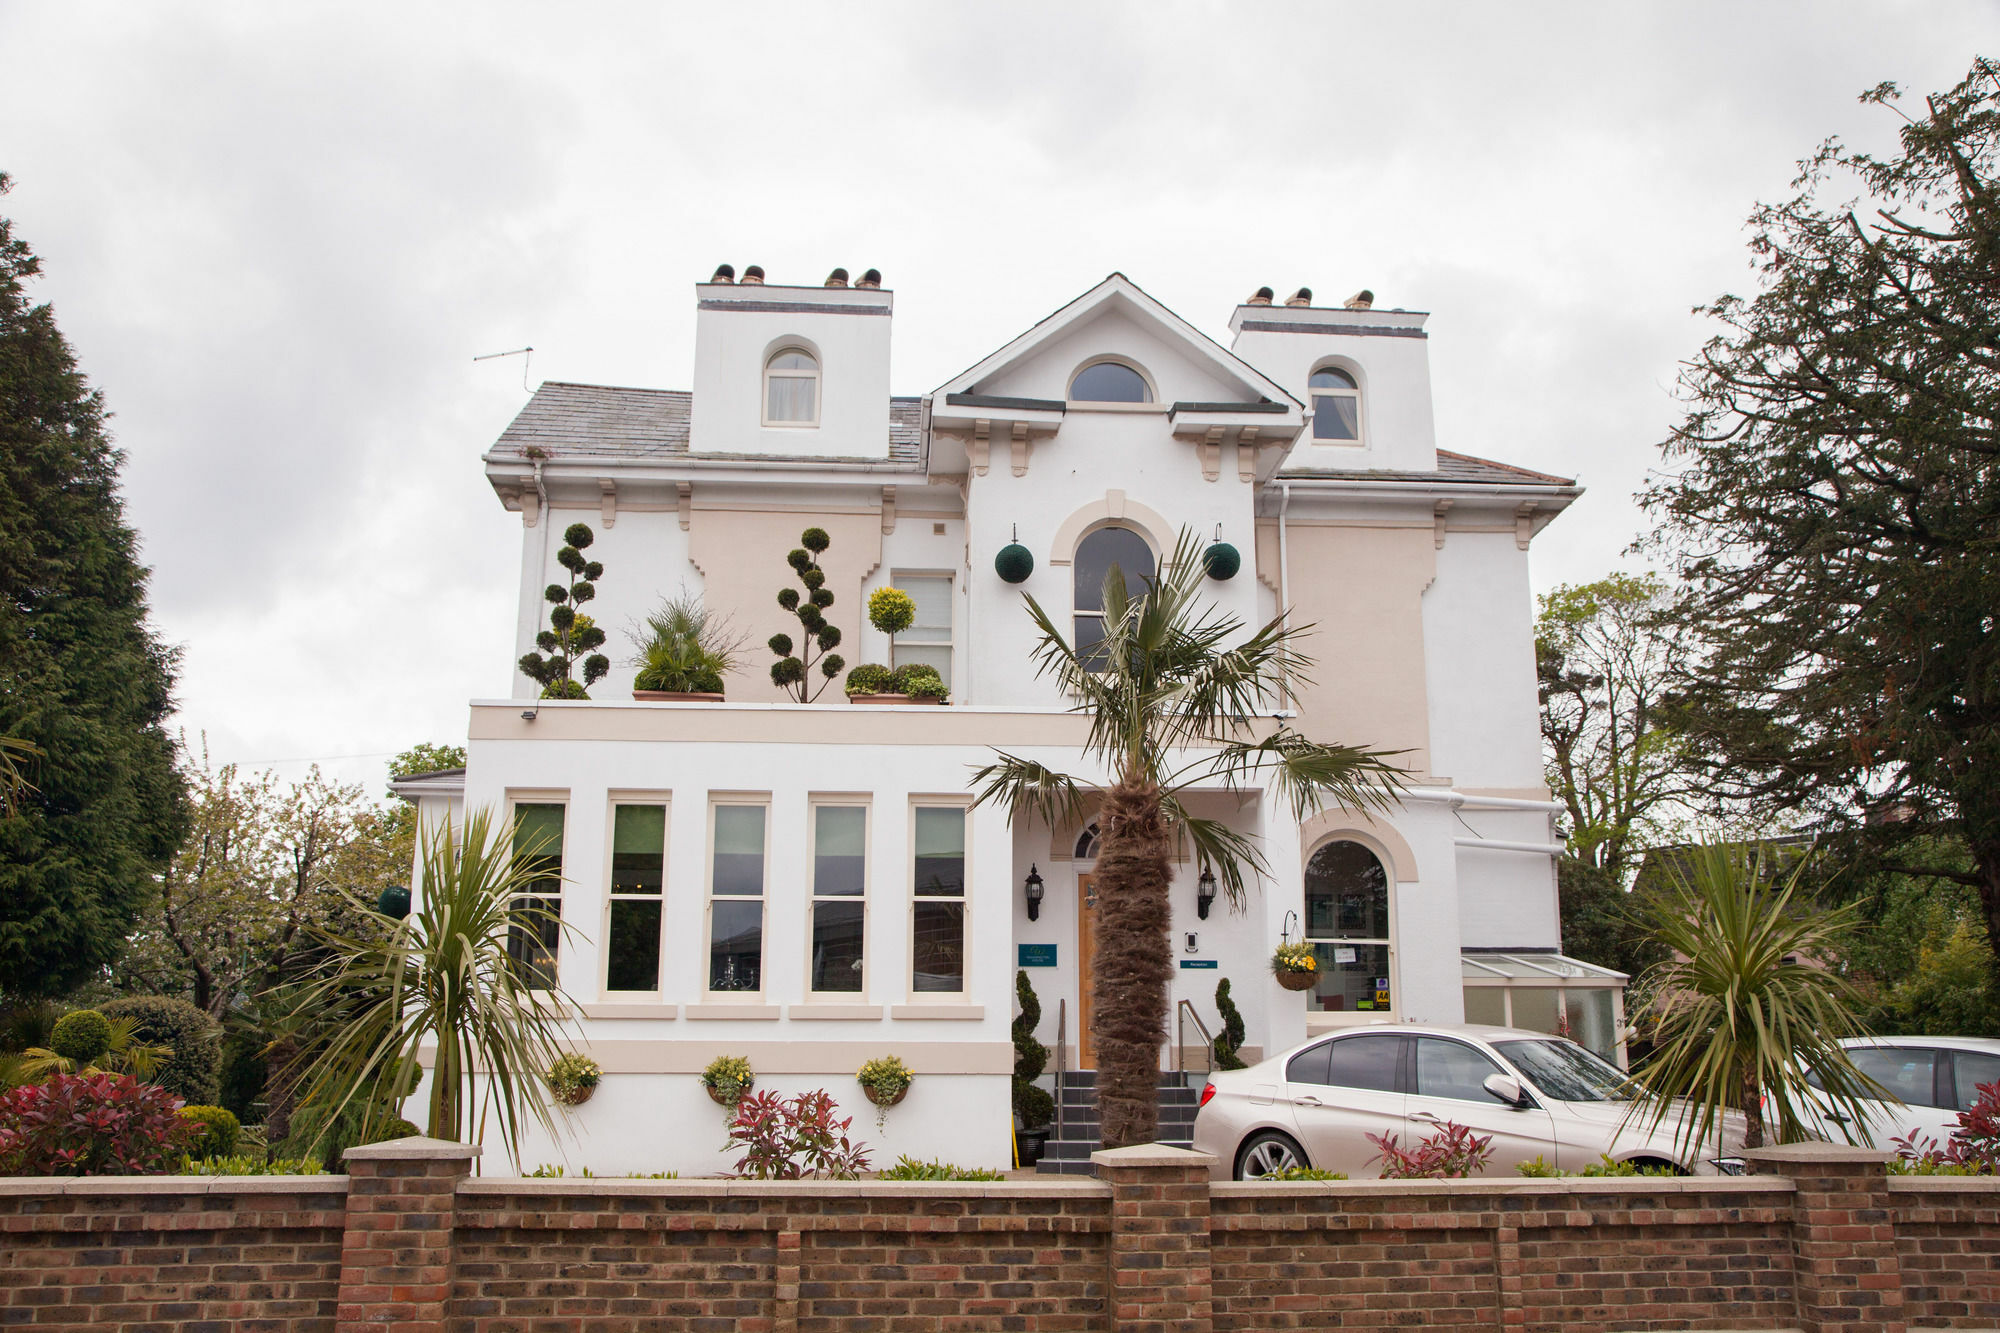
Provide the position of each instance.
(1821, 1240)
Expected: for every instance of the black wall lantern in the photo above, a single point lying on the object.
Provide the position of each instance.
(1204, 893)
(1034, 888)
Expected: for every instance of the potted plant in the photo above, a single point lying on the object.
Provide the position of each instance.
(1295, 966)
(573, 1079)
(1033, 1106)
(887, 1081)
(727, 1078)
(818, 636)
(684, 652)
(913, 684)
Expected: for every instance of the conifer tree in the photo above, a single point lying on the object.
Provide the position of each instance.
(82, 675)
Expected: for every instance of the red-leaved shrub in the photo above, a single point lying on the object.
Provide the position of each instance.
(1452, 1152)
(1975, 1145)
(92, 1125)
(791, 1140)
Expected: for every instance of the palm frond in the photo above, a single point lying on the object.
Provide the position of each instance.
(1310, 775)
(1232, 855)
(1025, 786)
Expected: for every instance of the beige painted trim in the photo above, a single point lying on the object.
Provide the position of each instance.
(755, 1013)
(1113, 508)
(1266, 553)
(691, 1056)
(630, 1010)
(1359, 826)
(941, 1012)
(787, 724)
(1368, 523)
(1510, 793)
(830, 1012)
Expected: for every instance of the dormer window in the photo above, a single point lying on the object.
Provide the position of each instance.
(1110, 382)
(1336, 400)
(791, 388)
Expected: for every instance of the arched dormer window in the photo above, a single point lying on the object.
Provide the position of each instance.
(1096, 554)
(791, 388)
(1336, 400)
(1110, 382)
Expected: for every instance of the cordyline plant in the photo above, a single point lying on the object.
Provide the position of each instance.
(90, 1125)
(443, 977)
(1742, 1014)
(1169, 692)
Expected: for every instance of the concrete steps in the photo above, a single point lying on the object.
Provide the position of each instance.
(1076, 1094)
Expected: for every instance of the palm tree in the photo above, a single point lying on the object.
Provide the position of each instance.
(1742, 1012)
(1171, 701)
(443, 976)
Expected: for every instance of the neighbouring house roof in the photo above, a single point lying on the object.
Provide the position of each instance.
(1451, 467)
(602, 420)
(439, 781)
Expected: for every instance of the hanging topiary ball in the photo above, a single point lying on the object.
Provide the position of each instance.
(393, 901)
(1221, 561)
(1014, 563)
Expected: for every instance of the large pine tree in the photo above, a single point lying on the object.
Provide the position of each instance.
(82, 675)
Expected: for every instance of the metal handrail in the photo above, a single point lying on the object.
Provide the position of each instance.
(1183, 1012)
(1062, 1058)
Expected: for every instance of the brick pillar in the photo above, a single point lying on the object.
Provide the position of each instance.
(1846, 1273)
(1160, 1280)
(395, 1258)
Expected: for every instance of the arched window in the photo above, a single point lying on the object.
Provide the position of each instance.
(1347, 924)
(1336, 402)
(1109, 382)
(791, 388)
(1086, 844)
(1095, 557)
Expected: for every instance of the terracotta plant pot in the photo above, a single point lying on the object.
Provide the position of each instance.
(892, 699)
(676, 697)
(720, 1100)
(579, 1097)
(882, 1099)
(1297, 980)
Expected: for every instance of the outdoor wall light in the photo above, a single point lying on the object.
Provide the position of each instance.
(1034, 889)
(1204, 893)
(527, 715)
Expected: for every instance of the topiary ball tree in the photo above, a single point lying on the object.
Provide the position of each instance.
(1221, 561)
(1014, 563)
(793, 672)
(571, 634)
(82, 1036)
(891, 610)
(190, 1035)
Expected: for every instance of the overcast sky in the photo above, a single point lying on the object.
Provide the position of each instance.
(277, 235)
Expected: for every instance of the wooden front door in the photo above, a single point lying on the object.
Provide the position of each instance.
(1086, 920)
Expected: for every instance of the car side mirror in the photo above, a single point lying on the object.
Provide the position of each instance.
(1506, 1088)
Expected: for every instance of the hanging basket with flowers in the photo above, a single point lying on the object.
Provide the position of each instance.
(727, 1078)
(573, 1078)
(1295, 966)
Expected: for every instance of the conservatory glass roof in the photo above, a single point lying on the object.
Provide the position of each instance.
(1496, 968)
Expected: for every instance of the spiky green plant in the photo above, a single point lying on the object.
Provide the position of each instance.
(1742, 1012)
(1169, 692)
(685, 646)
(443, 977)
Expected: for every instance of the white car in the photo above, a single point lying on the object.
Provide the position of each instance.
(1933, 1079)
(1536, 1095)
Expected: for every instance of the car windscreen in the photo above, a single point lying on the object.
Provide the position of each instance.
(1566, 1071)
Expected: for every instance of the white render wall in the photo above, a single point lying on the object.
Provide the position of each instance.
(1479, 664)
(645, 558)
(737, 329)
(1397, 428)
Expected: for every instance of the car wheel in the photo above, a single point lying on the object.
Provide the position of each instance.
(1267, 1152)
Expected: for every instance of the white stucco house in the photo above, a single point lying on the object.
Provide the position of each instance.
(809, 886)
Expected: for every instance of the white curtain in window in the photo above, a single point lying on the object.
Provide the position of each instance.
(790, 398)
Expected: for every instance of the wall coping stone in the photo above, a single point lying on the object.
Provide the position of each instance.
(411, 1149)
(1151, 1154)
(18, 1186)
(1819, 1154)
(1501, 1185)
(787, 1189)
(1944, 1184)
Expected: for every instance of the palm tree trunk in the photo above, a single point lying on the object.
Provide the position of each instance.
(1133, 963)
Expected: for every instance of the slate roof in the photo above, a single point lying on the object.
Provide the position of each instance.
(601, 420)
(1451, 468)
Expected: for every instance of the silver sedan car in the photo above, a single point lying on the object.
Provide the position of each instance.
(1536, 1095)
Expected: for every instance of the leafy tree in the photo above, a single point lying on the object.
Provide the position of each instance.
(1168, 676)
(83, 678)
(1918, 949)
(571, 634)
(1602, 922)
(1741, 1008)
(1832, 500)
(817, 635)
(425, 757)
(16, 758)
(1602, 656)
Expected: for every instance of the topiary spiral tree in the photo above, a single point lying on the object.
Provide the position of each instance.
(1033, 1104)
(571, 633)
(1231, 1041)
(793, 672)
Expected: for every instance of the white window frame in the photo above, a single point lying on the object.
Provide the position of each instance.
(814, 804)
(542, 796)
(716, 801)
(663, 801)
(963, 995)
(1321, 1020)
(950, 645)
(816, 375)
(1356, 395)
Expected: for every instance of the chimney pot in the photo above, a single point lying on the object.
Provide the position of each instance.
(1361, 300)
(837, 278)
(1262, 296)
(754, 275)
(724, 273)
(1303, 296)
(870, 280)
